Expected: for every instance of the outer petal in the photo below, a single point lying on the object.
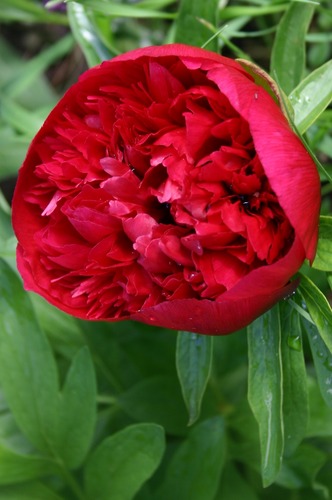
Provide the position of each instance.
(169, 50)
(209, 317)
(290, 169)
(252, 296)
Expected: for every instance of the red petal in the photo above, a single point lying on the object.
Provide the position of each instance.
(291, 171)
(209, 317)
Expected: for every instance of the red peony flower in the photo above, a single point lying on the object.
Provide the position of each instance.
(166, 187)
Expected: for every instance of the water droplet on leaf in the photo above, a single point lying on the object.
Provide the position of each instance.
(294, 342)
(328, 363)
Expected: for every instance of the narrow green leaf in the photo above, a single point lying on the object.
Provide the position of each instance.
(12, 67)
(265, 392)
(320, 415)
(288, 108)
(5, 219)
(27, 11)
(254, 11)
(19, 118)
(85, 34)
(16, 468)
(312, 96)
(189, 29)
(28, 373)
(122, 10)
(193, 363)
(154, 4)
(295, 392)
(195, 468)
(8, 251)
(318, 308)
(322, 359)
(26, 74)
(74, 421)
(12, 151)
(28, 491)
(123, 462)
(323, 259)
(288, 53)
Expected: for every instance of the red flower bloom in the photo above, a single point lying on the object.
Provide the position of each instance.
(166, 187)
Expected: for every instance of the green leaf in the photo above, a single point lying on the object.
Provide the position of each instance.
(16, 468)
(194, 470)
(12, 152)
(295, 392)
(10, 435)
(60, 424)
(28, 491)
(123, 462)
(19, 118)
(189, 29)
(320, 415)
(8, 252)
(29, 12)
(155, 4)
(265, 390)
(323, 259)
(12, 66)
(300, 470)
(85, 34)
(243, 442)
(312, 96)
(322, 359)
(121, 10)
(318, 308)
(157, 399)
(254, 11)
(193, 364)
(28, 373)
(27, 74)
(233, 486)
(62, 330)
(74, 421)
(5, 219)
(288, 52)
